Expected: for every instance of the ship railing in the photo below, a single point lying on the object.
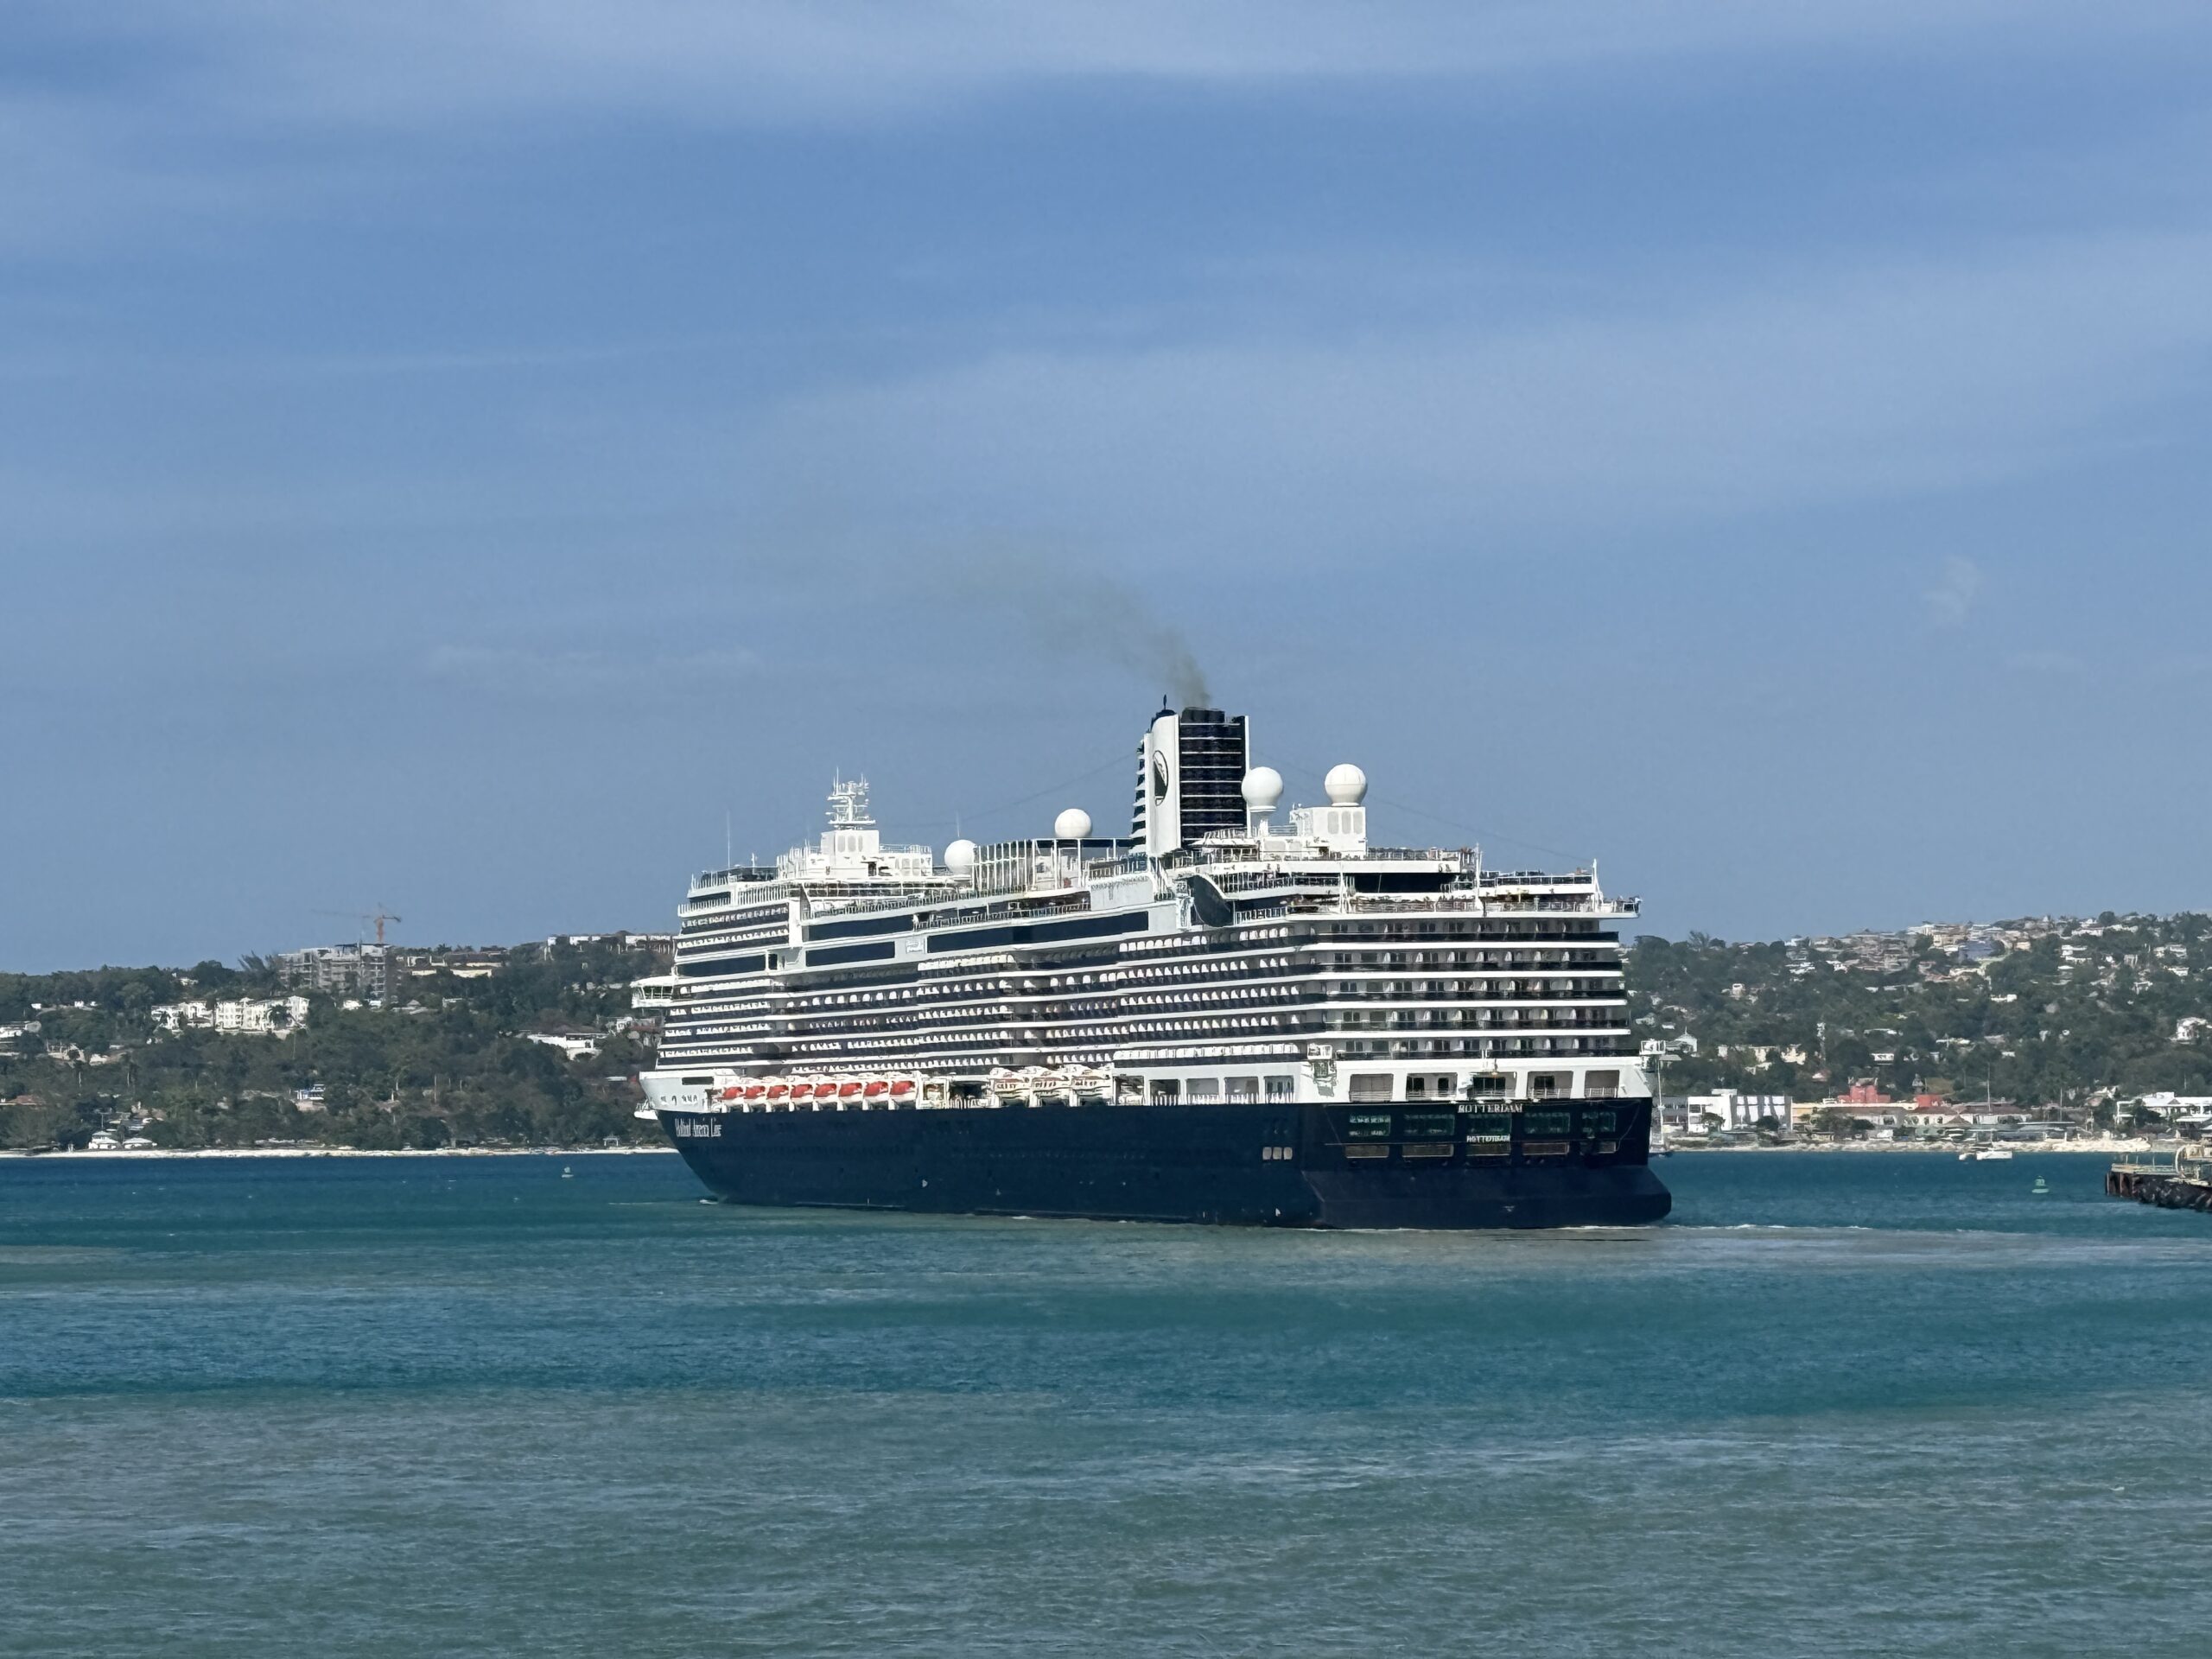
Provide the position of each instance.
(733, 873)
(1257, 880)
(1477, 903)
(1126, 864)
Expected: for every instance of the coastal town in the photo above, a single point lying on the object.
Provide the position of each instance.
(2087, 1034)
(2043, 1030)
(360, 1045)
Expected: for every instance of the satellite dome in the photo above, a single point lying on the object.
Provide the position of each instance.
(1073, 824)
(1346, 784)
(1262, 789)
(960, 856)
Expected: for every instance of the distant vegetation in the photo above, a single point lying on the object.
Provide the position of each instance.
(2079, 1015)
(2085, 1014)
(451, 1066)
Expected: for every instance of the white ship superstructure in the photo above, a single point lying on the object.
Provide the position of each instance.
(1214, 954)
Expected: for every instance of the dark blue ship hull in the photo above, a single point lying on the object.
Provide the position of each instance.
(1307, 1165)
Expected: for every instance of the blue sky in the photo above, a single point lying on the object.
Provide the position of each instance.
(458, 456)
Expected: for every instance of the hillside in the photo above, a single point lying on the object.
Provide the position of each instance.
(2077, 1016)
(454, 1064)
(2082, 1015)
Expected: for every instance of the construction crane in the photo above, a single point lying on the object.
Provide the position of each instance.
(379, 916)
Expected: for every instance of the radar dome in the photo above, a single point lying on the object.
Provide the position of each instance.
(1072, 825)
(1262, 789)
(1346, 784)
(960, 857)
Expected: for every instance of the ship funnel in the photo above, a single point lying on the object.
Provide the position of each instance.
(1190, 780)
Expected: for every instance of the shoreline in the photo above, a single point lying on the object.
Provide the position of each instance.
(145, 1153)
(2103, 1144)
(2103, 1147)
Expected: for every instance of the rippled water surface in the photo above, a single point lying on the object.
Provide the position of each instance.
(1841, 1404)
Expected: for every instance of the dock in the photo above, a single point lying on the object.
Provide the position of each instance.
(2181, 1179)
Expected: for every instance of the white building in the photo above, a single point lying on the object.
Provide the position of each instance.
(244, 1016)
(1735, 1109)
(278, 1014)
(2168, 1105)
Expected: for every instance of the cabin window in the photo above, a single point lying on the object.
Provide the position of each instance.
(1489, 1126)
(1427, 1126)
(1370, 1085)
(1547, 1123)
(1597, 1123)
(1281, 1088)
(1547, 1085)
(1243, 1088)
(1489, 1082)
(1368, 1126)
(1601, 1085)
(1166, 1089)
(1204, 1089)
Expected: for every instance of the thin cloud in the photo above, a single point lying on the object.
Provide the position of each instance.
(1891, 380)
(771, 61)
(1956, 588)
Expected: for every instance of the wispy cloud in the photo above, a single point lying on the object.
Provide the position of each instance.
(750, 62)
(1889, 381)
(173, 109)
(1956, 588)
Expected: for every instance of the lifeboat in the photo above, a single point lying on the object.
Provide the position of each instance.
(847, 1090)
(901, 1088)
(731, 1093)
(779, 1091)
(875, 1086)
(754, 1090)
(802, 1091)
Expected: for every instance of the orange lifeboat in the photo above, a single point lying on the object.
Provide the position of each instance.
(901, 1087)
(778, 1091)
(846, 1091)
(802, 1091)
(731, 1094)
(754, 1090)
(876, 1086)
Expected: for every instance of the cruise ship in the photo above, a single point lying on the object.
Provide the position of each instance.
(1227, 1015)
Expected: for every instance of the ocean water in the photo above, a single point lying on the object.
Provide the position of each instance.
(1841, 1404)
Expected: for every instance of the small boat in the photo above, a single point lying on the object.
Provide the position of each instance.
(1993, 1155)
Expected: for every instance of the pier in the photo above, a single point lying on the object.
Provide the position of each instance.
(2181, 1179)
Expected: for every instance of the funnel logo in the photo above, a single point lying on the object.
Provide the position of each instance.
(1160, 774)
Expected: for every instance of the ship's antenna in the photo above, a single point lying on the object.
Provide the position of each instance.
(730, 845)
